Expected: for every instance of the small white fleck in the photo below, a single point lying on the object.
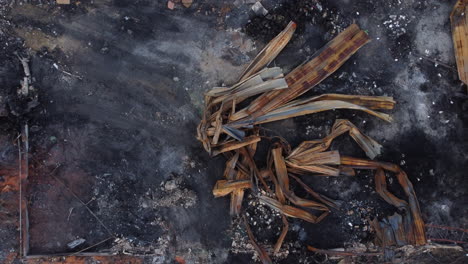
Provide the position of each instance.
(55, 66)
(378, 38)
(349, 223)
(396, 59)
(364, 121)
(451, 102)
(433, 103)
(427, 52)
(176, 79)
(440, 75)
(357, 13)
(418, 179)
(441, 112)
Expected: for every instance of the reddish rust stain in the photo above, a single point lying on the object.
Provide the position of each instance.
(10, 258)
(9, 183)
(9, 180)
(180, 260)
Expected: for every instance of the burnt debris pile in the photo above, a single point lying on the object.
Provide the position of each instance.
(231, 126)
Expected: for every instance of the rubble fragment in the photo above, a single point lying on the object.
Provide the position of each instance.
(187, 3)
(258, 9)
(170, 5)
(76, 243)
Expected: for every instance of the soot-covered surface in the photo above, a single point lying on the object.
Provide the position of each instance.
(121, 86)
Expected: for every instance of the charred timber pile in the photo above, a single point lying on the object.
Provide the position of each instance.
(230, 126)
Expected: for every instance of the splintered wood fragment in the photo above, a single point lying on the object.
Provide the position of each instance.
(316, 169)
(236, 145)
(238, 195)
(347, 171)
(417, 222)
(283, 184)
(459, 23)
(260, 251)
(236, 201)
(63, 2)
(202, 128)
(278, 191)
(225, 187)
(368, 164)
(271, 50)
(264, 86)
(371, 102)
(294, 199)
(419, 230)
(314, 194)
(306, 76)
(319, 145)
(283, 234)
(280, 169)
(292, 211)
(306, 109)
(230, 170)
(393, 230)
(218, 126)
(341, 126)
(370, 146)
(255, 79)
(343, 253)
(234, 133)
(321, 158)
(381, 188)
(254, 169)
(396, 222)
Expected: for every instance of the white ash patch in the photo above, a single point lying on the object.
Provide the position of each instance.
(425, 113)
(172, 194)
(432, 38)
(397, 24)
(316, 131)
(128, 246)
(171, 160)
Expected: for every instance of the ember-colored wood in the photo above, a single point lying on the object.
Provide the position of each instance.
(459, 22)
